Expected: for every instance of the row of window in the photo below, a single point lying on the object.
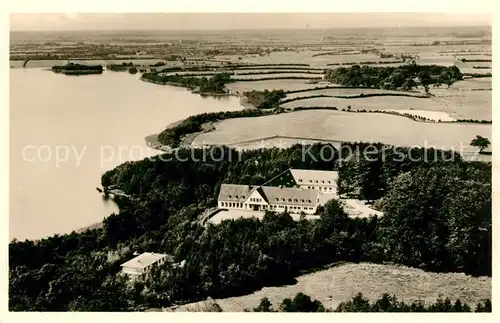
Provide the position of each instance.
(255, 199)
(310, 181)
(290, 200)
(268, 207)
(274, 207)
(326, 189)
(231, 204)
(236, 197)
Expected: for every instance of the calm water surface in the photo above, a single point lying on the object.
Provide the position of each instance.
(66, 131)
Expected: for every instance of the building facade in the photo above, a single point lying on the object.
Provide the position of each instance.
(261, 198)
(302, 193)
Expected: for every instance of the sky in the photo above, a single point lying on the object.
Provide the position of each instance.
(201, 21)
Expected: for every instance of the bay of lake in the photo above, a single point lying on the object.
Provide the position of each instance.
(66, 131)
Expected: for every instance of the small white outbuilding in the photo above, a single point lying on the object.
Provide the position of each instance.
(143, 263)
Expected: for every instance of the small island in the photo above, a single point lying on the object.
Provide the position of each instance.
(77, 69)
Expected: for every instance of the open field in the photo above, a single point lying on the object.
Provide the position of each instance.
(286, 85)
(468, 67)
(474, 83)
(465, 104)
(278, 75)
(342, 282)
(346, 126)
(437, 116)
(347, 92)
(450, 105)
(367, 103)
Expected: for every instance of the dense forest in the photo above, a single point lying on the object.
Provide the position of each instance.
(386, 303)
(403, 77)
(437, 216)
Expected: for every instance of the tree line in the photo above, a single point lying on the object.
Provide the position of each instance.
(172, 136)
(386, 303)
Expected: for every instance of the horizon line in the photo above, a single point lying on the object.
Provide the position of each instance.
(250, 29)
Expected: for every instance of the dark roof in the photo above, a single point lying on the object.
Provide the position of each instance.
(233, 192)
(316, 177)
(290, 196)
(272, 195)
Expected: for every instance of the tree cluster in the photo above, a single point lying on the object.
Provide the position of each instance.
(265, 99)
(123, 67)
(402, 77)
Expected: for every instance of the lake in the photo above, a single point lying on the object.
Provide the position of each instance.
(66, 131)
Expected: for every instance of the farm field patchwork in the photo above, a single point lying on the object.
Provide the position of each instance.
(342, 282)
(347, 126)
(306, 57)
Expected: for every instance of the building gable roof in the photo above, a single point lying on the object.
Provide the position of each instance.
(290, 196)
(260, 193)
(272, 195)
(234, 192)
(315, 177)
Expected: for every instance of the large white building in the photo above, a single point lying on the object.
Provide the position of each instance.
(302, 196)
(143, 263)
